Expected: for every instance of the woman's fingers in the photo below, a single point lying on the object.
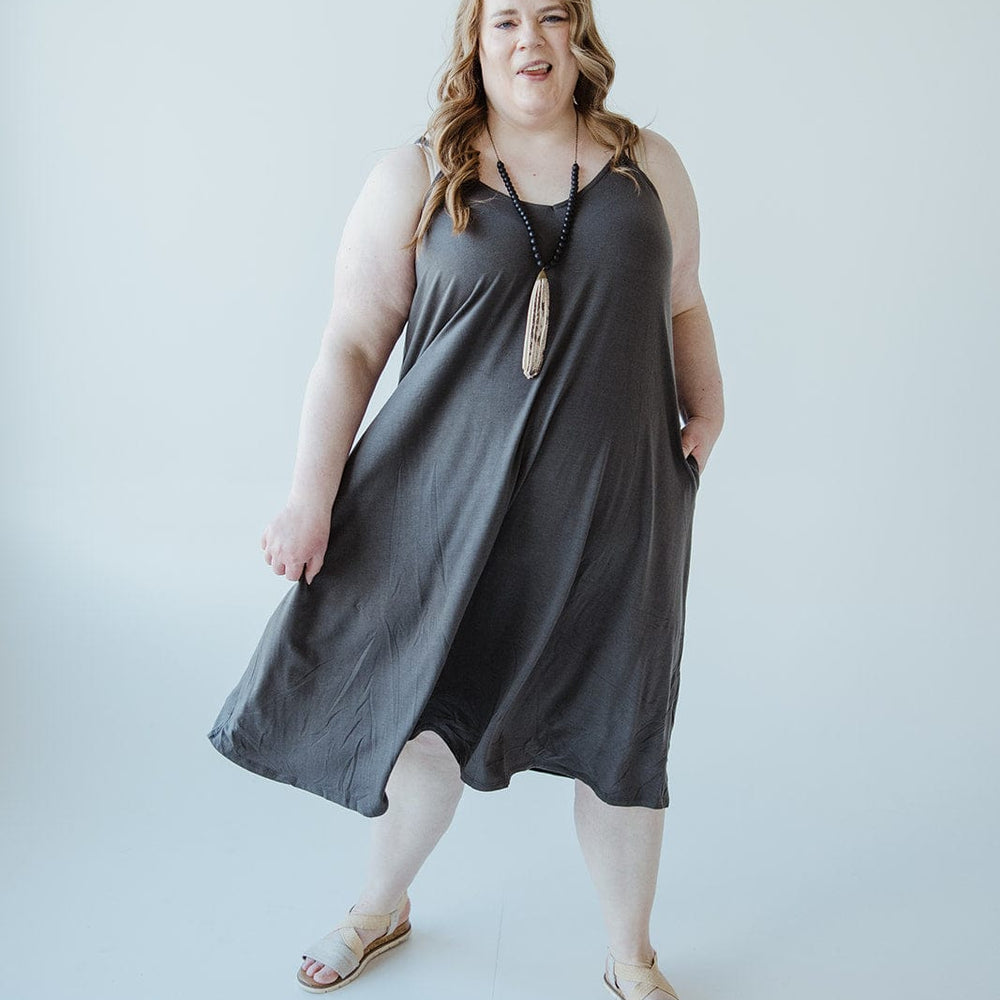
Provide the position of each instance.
(309, 569)
(313, 567)
(294, 543)
(293, 569)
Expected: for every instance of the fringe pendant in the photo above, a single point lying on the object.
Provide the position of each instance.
(537, 328)
(538, 308)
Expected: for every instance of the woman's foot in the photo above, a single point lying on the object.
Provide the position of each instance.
(618, 972)
(323, 974)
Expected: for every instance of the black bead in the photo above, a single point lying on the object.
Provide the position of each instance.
(567, 218)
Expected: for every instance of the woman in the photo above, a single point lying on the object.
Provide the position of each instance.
(493, 580)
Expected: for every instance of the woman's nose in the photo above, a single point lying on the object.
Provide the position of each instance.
(530, 35)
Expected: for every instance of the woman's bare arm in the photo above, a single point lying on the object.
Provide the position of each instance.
(696, 363)
(373, 287)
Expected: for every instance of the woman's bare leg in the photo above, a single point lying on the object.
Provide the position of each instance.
(621, 848)
(424, 790)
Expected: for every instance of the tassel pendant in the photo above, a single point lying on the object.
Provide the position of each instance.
(537, 328)
(538, 308)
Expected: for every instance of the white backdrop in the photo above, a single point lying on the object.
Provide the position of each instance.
(175, 177)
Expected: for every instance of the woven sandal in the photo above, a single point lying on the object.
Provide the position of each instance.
(644, 979)
(344, 952)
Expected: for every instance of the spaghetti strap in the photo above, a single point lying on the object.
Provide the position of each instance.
(432, 165)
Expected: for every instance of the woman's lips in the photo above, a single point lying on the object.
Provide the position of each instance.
(536, 71)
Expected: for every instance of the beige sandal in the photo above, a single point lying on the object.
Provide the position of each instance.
(644, 979)
(343, 950)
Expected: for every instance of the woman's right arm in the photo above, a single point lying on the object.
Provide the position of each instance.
(374, 280)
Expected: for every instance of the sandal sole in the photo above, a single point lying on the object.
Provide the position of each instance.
(378, 947)
(612, 990)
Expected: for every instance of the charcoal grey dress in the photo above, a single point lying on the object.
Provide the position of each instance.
(508, 558)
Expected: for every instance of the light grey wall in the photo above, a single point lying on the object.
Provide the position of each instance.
(175, 178)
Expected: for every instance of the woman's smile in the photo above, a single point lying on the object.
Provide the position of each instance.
(536, 71)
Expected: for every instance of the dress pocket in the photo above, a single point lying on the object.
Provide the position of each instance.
(692, 464)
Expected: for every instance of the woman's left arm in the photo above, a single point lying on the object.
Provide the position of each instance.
(696, 362)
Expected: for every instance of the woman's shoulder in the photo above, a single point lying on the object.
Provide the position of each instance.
(655, 153)
(410, 164)
(392, 197)
(658, 158)
(396, 186)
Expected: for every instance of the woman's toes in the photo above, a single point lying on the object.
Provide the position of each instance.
(318, 971)
(325, 975)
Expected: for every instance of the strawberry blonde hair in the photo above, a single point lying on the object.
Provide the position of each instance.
(461, 113)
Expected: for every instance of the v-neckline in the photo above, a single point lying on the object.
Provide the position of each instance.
(559, 204)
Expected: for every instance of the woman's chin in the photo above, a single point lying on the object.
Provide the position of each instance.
(538, 101)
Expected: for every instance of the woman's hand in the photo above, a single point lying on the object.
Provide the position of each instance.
(698, 437)
(295, 540)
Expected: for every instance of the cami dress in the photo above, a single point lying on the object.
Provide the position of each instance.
(508, 557)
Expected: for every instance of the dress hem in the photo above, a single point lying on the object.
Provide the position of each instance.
(229, 751)
(604, 797)
(536, 765)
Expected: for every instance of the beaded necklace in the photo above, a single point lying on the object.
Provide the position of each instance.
(537, 328)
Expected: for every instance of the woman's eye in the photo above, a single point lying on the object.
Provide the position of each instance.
(548, 19)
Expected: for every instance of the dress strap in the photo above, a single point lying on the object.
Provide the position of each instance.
(432, 167)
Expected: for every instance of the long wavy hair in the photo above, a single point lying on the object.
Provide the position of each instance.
(461, 113)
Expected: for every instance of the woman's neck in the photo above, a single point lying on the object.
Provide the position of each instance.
(529, 138)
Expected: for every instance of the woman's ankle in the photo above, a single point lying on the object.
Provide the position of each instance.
(633, 955)
(378, 902)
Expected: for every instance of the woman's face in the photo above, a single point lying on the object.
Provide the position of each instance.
(528, 68)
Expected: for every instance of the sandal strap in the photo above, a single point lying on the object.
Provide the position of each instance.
(341, 953)
(342, 949)
(375, 921)
(643, 979)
